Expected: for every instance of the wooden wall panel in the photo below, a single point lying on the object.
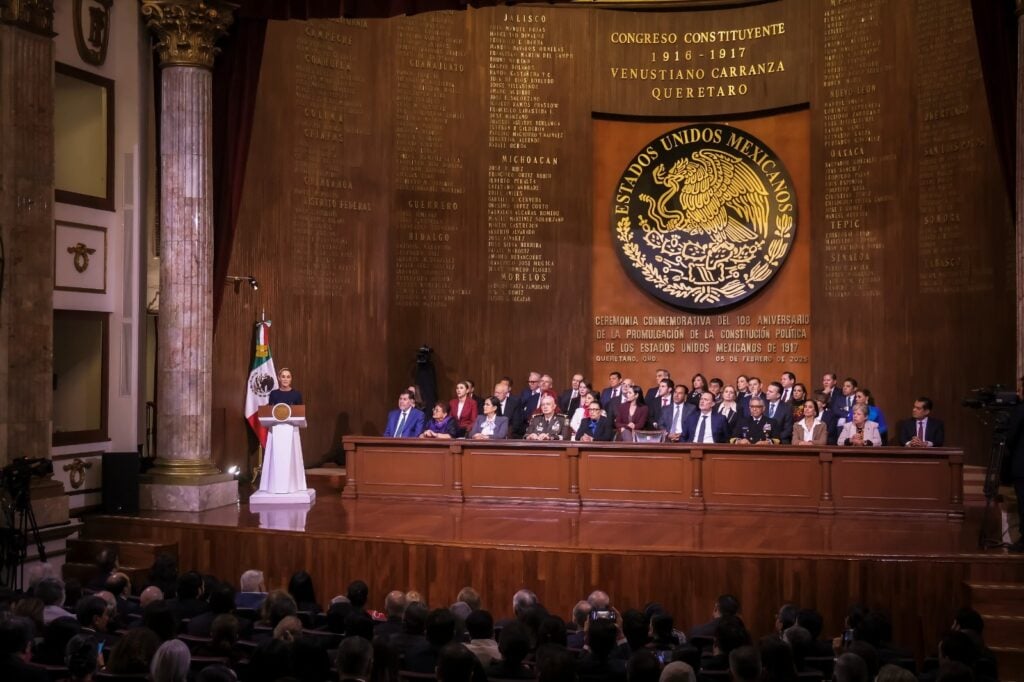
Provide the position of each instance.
(912, 276)
(684, 583)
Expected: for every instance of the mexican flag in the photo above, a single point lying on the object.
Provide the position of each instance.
(262, 380)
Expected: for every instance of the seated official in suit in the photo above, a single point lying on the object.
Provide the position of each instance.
(548, 425)
(462, 408)
(809, 430)
(728, 407)
(406, 421)
(284, 393)
(630, 415)
(490, 426)
(675, 415)
(596, 426)
(860, 431)
(922, 430)
(705, 425)
(779, 411)
(569, 399)
(755, 429)
(657, 404)
(441, 424)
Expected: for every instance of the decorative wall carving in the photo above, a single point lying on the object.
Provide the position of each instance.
(186, 31)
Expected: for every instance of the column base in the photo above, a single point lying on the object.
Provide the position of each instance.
(190, 496)
(261, 498)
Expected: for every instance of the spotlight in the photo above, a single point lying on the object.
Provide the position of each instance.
(234, 471)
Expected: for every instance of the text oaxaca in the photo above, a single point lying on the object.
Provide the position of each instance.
(704, 216)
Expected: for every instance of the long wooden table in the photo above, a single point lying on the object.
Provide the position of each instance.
(828, 480)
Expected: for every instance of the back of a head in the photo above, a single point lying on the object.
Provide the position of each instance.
(288, 629)
(523, 600)
(957, 646)
(171, 662)
(969, 619)
(116, 584)
(222, 599)
(358, 594)
(514, 643)
(787, 615)
(745, 664)
(601, 637)
(359, 624)
(276, 606)
(581, 613)
(133, 652)
(552, 631)
(15, 634)
(300, 587)
(225, 629)
(874, 628)
(812, 620)
(337, 614)
(270, 661)
(216, 673)
(688, 654)
(355, 657)
(727, 605)
(662, 625)
(799, 640)
(894, 673)
(159, 618)
(954, 671)
(776, 659)
(190, 585)
(455, 663)
(635, 629)
(480, 625)
(50, 591)
(251, 581)
(106, 559)
(730, 633)
(678, 671)
(599, 600)
(414, 621)
(868, 654)
(89, 608)
(394, 604)
(643, 666)
(80, 656)
(470, 596)
(557, 665)
(850, 668)
(440, 627)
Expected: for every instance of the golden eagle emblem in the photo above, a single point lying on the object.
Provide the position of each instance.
(704, 216)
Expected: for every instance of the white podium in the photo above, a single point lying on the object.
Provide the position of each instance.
(283, 480)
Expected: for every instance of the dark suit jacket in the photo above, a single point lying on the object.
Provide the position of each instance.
(412, 428)
(603, 432)
(719, 428)
(754, 429)
(651, 396)
(500, 427)
(783, 417)
(655, 410)
(564, 400)
(934, 431)
(516, 418)
(665, 418)
(13, 668)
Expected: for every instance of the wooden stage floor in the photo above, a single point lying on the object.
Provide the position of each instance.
(919, 570)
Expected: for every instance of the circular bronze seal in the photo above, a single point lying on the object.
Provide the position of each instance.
(282, 412)
(704, 216)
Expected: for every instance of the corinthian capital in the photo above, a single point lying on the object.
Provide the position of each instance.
(33, 15)
(186, 31)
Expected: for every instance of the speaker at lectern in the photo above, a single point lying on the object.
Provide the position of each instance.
(283, 479)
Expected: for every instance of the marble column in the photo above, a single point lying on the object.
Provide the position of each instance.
(184, 477)
(26, 228)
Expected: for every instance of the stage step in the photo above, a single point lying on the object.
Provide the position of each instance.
(1002, 607)
(135, 558)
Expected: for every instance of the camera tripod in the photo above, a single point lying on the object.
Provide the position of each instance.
(20, 525)
(991, 490)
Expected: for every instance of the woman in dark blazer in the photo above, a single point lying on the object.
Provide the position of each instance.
(595, 426)
(630, 416)
(489, 426)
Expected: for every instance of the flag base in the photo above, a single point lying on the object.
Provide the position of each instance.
(262, 498)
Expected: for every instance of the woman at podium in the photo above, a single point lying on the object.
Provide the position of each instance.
(285, 393)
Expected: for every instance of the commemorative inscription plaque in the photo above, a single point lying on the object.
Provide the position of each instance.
(704, 216)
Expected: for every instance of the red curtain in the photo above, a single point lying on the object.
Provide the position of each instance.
(995, 29)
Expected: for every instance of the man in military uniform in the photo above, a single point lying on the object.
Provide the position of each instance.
(547, 425)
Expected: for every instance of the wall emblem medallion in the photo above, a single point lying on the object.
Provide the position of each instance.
(81, 253)
(704, 216)
(92, 48)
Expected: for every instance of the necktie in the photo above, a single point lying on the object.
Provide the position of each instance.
(701, 429)
(771, 411)
(785, 396)
(920, 429)
(401, 425)
(593, 427)
(664, 401)
(849, 403)
(676, 412)
(615, 393)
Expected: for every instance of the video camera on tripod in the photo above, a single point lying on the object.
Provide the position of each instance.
(18, 519)
(993, 405)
